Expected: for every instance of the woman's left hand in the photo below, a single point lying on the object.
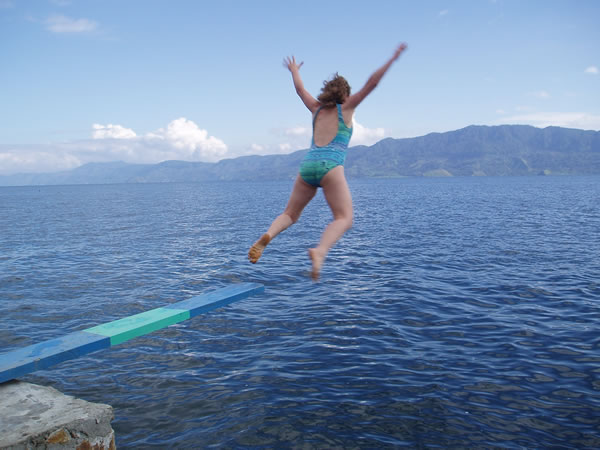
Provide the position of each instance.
(291, 64)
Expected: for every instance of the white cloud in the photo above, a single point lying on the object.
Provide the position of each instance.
(540, 94)
(522, 108)
(593, 70)
(191, 141)
(365, 136)
(579, 120)
(22, 159)
(111, 131)
(298, 131)
(270, 149)
(286, 140)
(182, 139)
(62, 24)
(443, 12)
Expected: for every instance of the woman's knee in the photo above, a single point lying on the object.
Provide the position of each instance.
(293, 215)
(349, 222)
(346, 220)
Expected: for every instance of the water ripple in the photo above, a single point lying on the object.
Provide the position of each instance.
(456, 313)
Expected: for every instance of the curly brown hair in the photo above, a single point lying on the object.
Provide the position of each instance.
(334, 91)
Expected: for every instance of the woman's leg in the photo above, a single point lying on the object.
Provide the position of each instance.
(302, 193)
(339, 199)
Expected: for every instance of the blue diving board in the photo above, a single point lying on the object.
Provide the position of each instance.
(40, 356)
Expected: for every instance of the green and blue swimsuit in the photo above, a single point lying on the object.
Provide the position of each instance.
(320, 160)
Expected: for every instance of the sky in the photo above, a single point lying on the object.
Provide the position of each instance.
(144, 81)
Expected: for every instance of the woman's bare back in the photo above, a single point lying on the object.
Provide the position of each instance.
(326, 124)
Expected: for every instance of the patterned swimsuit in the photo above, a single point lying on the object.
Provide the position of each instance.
(320, 160)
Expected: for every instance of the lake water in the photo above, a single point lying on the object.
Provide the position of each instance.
(458, 312)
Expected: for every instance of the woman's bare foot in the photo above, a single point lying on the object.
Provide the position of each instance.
(317, 259)
(257, 249)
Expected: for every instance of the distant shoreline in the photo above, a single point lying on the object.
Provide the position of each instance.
(503, 150)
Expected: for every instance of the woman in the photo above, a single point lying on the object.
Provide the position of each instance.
(323, 165)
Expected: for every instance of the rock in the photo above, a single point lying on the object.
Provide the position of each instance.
(38, 417)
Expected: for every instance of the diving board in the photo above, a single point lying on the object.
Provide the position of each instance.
(40, 356)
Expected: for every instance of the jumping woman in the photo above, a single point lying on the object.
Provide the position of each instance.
(323, 165)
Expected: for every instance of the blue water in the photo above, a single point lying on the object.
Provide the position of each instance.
(458, 312)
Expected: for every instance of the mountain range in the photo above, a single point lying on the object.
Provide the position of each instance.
(502, 150)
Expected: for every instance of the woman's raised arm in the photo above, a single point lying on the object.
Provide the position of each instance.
(311, 103)
(354, 100)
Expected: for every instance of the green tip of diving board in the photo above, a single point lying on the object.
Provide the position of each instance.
(25, 360)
